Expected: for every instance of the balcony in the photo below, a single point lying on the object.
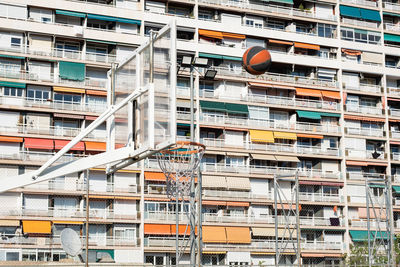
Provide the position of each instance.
(369, 88)
(275, 77)
(360, 23)
(231, 194)
(38, 156)
(392, 27)
(321, 197)
(361, 2)
(362, 176)
(395, 156)
(275, 100)
(391, 6)
(364, 109)
(394, 112)
(395, 91)
(365, 131)
(395, 134)
(364, 154)
(363, 223)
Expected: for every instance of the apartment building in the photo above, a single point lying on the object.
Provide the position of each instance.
(328, 110)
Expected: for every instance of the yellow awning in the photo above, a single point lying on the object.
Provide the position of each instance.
(9, 223)
(262, 136)
(284, 135)
(36, 227)
(287, 158)
(214, 234)
(67, 222)
(262, 157)
(238, 235)
(214, 252)
(68, 90)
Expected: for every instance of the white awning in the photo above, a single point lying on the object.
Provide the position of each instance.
(214, 181)
(238, 183)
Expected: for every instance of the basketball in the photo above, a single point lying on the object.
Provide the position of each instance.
(256, 60)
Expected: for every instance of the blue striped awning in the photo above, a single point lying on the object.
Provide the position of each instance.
(70, 13)
(369, 14)
(108, 18)
(349, 11)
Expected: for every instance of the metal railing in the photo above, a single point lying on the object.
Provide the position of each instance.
(361, 23)
(361, 2)
(392, 27)
(393, 90)
(371, 88)
(364, 109)
(365, 154)
(38, 156)
(321, 197)
(356, 222)
(364, 175)
(391, 6)
(365, 131)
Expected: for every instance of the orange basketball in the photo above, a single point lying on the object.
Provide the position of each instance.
(256, 60)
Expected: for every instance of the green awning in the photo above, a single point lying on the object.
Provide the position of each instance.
(369, 14)
(309, 114)
(396, 189)
(70, 13)
(72, 71)
(377, 186)
(349, 11)
(380, 235)
(360, 31)
(391, 14)
(232, 58)
(209, 105)
(290, 2)
(14, 57)
(108, 18)
(237, 108)
(101, 42)
(107, 251)
(183, 124)
(210, 56)
(358, 236)
(12, 84)
(328, 114)
(392, 38)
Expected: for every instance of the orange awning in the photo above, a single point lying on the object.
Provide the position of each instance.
(96, 92)
(316, 136)
(59, 144)
(238, 235)
(154, 176)
(211, 34)
(269, 85)
(351, 52)
(285, 206)
(36, 227)
(308, 92)
(11, 139)
(393, 99)
(356, 163)
(38, 143)
(90, 118)
(237, 204)
(157, 199)
(331, 95)
(375, 163)
(233, 35)
(394, 142)
(95, 146)
(362, 213)
(213, 203)
(214, 234)
(157, 229)
(68, 90)
(307, 46)
(272, 41)
(182, 229)
(362, 118)
(321, 255)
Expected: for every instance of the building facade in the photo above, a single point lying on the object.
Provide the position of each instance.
(328, 110)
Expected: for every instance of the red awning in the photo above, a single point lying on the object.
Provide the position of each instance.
(59, 144)
(356, 163)
(351, 52)
(38, 143)
(362, 118)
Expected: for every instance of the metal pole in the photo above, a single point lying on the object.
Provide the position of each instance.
(87, 220)
(389, 209)
(298, 255)
(199, 218)
(192, 221)
(276, 221)
(368, 224)
(177, 225)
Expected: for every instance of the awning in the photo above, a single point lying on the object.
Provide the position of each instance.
(67, 222)
(236, 154)
(262, 156)
(284, 135)
(315, 136)
(101, 42)
(39, 143)
(261, 136)
(396, 189)
(307, 46)
(233, 35)
(351, 52)
(369, 14)
(182, 229)
(11, 56)
(96, 92)
(11, 139)
(210, 105)
(72, 71)
(14, 223)
(157, 229)
(356, 163)
(263, 232)
(279, 42)
(206, 55)
(107, 18)
(308, 114)
(287, 158)
(213, 203)
(237, 204)
(214, 234)
(95, 146)
(349, 11)
(154, 176)
(358, 236)
(321, 255)
(308, 92)
(285, 233)
(329, 114)
(59, 144)
(238, 235)
(372, 57)
(362, 118)
(289, 2)
(68, 116)
(12, 84)
(390, 14)
(392, 38)
(36, 227)
(269, 85)
(236, 108)
(70, 13)
(213, 182)
(241, 183)
(211, 34)
(362, 213)
(375, 163)
(68, 90)
(331, 95)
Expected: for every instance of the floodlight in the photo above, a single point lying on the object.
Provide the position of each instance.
(200, 62)
(186, 61)
(210, 74)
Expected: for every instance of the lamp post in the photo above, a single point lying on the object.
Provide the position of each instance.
(193, 64)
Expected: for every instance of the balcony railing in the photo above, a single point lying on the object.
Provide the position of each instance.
(275, 77)
(321, 197)
(365, 154)
(361, 23)
(364, 175)
(274, 100)
(38, 156)
(396, 156)
(392, 27)
(365, 131)
(371, 88)
(391, 6)
(394, 112)
(361, 2)
(355, 222)
(364, 109)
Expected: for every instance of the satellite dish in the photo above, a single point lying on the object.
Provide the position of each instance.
(70, 241)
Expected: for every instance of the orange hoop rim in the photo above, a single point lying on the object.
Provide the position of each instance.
(181, 144)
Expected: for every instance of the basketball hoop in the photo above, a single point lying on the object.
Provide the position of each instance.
(179, 163)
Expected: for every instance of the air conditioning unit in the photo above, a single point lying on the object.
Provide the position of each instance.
(78, 30)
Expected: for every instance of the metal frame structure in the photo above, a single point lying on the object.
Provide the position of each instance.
(283, 246)
(381, 210)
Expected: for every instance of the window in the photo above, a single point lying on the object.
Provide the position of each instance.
(12, 256)
(45, 20)
(11, 91)
(234, 161)
(326, 30)
(96, 24)
(360, 36)
(253, 23)
(205, 15)
(67, 98)
(15, 42)
(37, 94)
(377, 191)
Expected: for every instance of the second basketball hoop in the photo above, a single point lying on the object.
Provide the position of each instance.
(179, 164)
